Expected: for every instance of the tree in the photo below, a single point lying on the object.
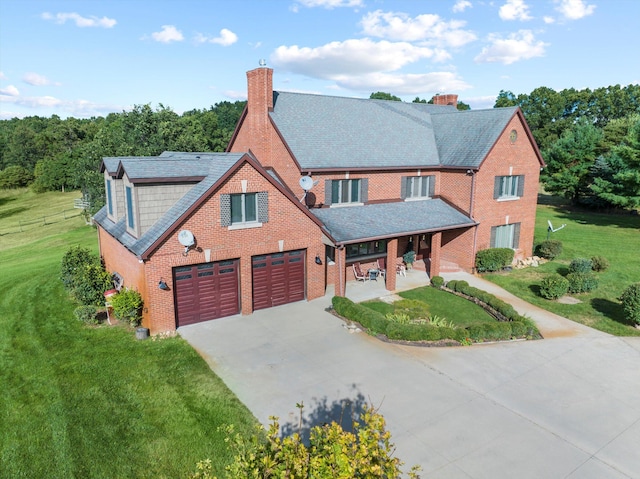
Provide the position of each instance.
(569, 160)
(384, 96)
(616, 177)
(506, 98)
(14, 176)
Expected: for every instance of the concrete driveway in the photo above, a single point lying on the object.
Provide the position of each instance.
(564, 407)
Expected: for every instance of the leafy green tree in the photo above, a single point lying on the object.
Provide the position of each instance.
(569, 160)
(506, 98)
(384, 96)
(15, 176)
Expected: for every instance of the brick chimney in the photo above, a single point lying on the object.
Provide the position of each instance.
(449, 99)
(259, 103)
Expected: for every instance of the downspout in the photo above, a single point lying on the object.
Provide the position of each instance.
(471, 206)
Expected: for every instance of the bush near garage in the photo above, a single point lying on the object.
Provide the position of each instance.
(127, 306)
(493, 259)
(84, 277)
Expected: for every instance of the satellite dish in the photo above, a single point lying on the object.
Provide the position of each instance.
(306, 183)
(186, 238)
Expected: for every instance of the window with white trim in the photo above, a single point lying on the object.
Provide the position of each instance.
(505, 236)
(131, 223)
(417, 187)
(244, 208)
(508, 187)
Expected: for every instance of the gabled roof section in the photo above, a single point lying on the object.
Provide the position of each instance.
(464, 138)
(325, 132)
(338, 133)
(220, 167)
(352, 224)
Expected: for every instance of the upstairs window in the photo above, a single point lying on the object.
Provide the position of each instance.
(109, 198)
(418, 187)
(244, 210)
(131, 223)
(345, 192)
(505, 236)
(508, 187)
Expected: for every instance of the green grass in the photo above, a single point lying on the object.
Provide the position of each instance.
(459, 311)
(82, 401)
(587, 234)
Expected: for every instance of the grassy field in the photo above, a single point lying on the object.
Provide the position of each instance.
(587, 234)
(80, 401)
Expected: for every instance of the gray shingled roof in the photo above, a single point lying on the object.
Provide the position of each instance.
(167, 165)
(326, 132)
(218, 165)
(354, 223)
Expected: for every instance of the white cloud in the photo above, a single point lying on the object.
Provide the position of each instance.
(168, 34)
(403, 84)
(351, 57)
(226, 38)
(461, 6)
(10, 90)
(548, 20)
(574, 9)
(37, 80)
(514, 10)
(427, 27)
(329, 4)
(75, 108)
(517, 46)
(79, 20)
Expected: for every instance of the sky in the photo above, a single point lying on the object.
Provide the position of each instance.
(88, 58)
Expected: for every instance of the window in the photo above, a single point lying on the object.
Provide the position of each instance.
(109, 198)
(130, 220)
(417, 187)
(244, 208)
(508, 187)
(370, 249)
(506, 236)
(345, 191)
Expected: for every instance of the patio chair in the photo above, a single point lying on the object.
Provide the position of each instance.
(358, 273)
(401, 269)
(382, 267)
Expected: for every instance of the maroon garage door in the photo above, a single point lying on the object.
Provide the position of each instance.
(206, 291)
(278, 278)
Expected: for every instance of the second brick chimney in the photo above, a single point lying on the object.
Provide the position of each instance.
(449, 99)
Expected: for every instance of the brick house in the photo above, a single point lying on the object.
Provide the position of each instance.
(380, 178)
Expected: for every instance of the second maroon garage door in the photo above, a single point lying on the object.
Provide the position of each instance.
(206, 291)
(278, 278)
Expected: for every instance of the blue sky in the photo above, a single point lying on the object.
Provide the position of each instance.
(92, 57)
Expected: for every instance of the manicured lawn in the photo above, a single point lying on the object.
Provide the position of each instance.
(445, 305)
(587, 234)
(80, 401)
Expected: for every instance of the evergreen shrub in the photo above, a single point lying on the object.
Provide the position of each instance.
(582, 282)
(554, 286)
(630, 299)
(599, 263)
(580, 265)
(549, 249)
(437, 281)
(493, 259)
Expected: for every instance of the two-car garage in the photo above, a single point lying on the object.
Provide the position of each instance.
(208, 291)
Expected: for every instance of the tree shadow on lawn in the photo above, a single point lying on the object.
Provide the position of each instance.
(343, 411)
(611, 310)
(4, 201)
(589, 217)
(11, 212)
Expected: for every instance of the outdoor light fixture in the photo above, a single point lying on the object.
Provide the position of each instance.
(162, 285)
(318, 260)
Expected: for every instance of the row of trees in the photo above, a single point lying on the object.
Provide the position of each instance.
(590, 140)
(56, 154)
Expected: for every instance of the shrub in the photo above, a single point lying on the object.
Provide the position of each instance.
(84, 276)
(580, 265)
(630, 299)
(86, 314)
(493, 259)
(554, 286)
(600, 263)
(582, 282)
(400, 318)
(437, 281)
(367, 452)
(127, 306)
(550, 249)
(15, 176)
(73, 260)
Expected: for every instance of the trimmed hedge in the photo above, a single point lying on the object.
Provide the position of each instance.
(582, 282)
(493, 259)
(554, 286)
(514, 325)
(437, 281)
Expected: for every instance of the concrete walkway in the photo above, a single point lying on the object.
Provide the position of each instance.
(564, 407)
